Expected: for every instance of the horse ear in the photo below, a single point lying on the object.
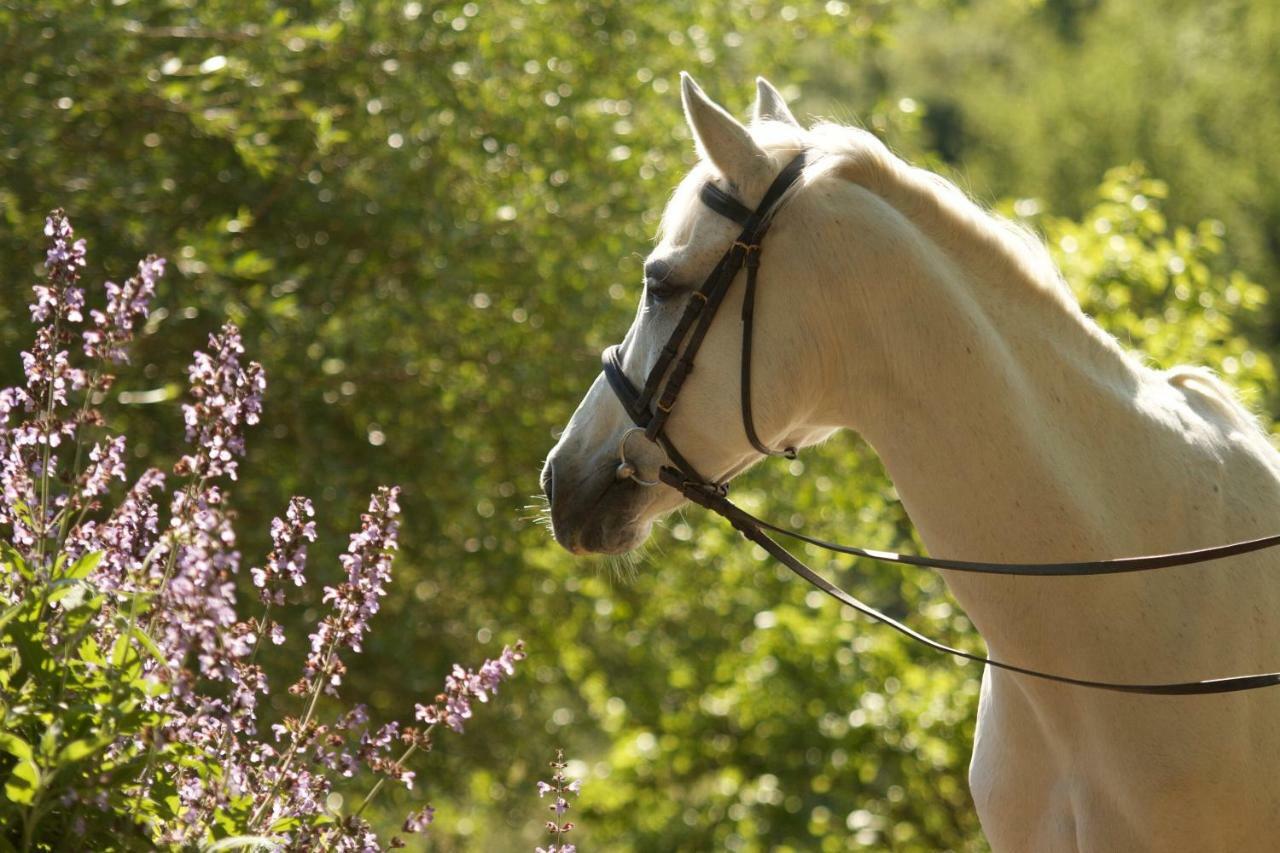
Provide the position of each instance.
(770, 106)
(720, 138)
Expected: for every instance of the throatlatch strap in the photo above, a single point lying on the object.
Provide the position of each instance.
(748, 324)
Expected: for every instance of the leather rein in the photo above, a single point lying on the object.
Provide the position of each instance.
(650, 406)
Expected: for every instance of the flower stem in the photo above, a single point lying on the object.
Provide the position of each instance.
(377, 786)
(322, 676)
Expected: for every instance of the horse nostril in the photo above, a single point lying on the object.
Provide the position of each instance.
(548, 482)
(657, 270)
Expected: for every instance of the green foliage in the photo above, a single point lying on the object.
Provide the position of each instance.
(1170, 291)
(1041, 97)
(72, 715)
(429, 218)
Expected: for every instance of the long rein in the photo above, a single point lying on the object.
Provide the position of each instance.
(754, 529)
(650, 407)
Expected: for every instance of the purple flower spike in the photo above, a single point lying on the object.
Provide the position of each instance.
(288, 559)
(106, 461)
(60, 300)
(368, 565)
(418, 821)
(127, 304)
(228, 397)
(453, 706)
(561, 789)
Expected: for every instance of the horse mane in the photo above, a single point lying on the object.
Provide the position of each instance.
(942, 211)
(947, 217)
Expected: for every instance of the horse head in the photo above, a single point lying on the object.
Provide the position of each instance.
(595, 507)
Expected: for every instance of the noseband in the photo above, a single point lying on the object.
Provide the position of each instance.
(675, 361)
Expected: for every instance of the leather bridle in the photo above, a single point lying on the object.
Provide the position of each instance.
(675, 363)
(650, 407)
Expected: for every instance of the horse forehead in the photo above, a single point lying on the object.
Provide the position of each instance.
(687, 223)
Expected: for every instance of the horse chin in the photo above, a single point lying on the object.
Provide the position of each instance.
(604, 538)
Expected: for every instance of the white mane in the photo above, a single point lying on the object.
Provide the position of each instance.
(954, 222)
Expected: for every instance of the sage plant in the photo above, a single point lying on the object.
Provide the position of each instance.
(560, 789)
(131, 682)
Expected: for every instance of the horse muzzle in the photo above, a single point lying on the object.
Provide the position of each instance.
(595, 512)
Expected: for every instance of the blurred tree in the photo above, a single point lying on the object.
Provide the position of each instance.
(1052, 93)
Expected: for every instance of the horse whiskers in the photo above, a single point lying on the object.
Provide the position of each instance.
(625, 567)
(540, 511)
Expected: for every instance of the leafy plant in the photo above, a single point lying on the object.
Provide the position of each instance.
(129, 684)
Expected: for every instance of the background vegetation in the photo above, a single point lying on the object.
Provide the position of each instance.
(428, 218)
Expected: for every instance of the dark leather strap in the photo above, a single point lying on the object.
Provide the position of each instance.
(726, 205)
(611, 362)
(650, 407)
(748, 324)
(751, 528)
(1115, 566)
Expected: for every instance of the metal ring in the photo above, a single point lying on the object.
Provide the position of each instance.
(628, 470)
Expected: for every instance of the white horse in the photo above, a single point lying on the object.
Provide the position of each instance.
(1014, 430)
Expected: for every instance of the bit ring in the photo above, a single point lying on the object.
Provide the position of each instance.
(626, 469)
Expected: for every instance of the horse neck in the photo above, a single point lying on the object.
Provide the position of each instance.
(1012, 427)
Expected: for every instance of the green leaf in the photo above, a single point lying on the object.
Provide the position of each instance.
(49, 740)
(10, 665)
(90, 652)
(23, 782)
(82, 748)
(70, 593)
(11, 612)
(83, 566)
(11, 555)
(119, 651)
(15, 746)
(149, 644)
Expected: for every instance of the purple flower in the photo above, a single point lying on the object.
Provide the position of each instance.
(60, 300)
(228, 397)
(453, 706)
(421, 819)
(127, 304)
(50, 377)
(18, 502)
(106, 461)
(288, 558)
(561, 788)
(198, 603)
(368, 564)
(126, 538)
